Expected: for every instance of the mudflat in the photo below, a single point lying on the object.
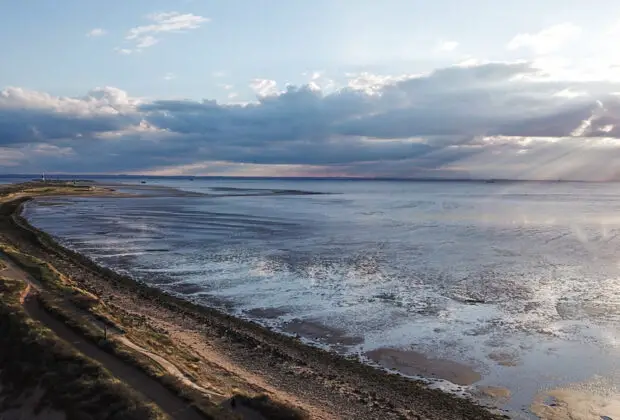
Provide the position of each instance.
(231, 358)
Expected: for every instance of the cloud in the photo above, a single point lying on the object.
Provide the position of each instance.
(163, 22)
(264, 87)
(123, 51)
(167, 22)
(447, 46)
(484, 120)
(34, 117)
(11, 158)
(373, 83)
(317, 80)
(96, 32)
(547, 40)
(170, 76)
(146, 41)
(614, 29)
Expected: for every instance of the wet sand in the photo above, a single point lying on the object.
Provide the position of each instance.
(496, 393)
(414, 363)
(317, 332)
(266, 313)
(504, 358)
(563, 403)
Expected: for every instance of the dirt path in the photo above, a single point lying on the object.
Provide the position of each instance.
(12, 271)
(170, 368)
(169, 402)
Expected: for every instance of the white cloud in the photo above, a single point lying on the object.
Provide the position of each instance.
(317, 80)
(614, 29)
(167, 22)
(547, 40)
(96, 32)
(447, 46)
(570, 93)
(170, 76)
(102, 101)
(164, 22)
(146, 41)
(226, 87)
(264, 87)
(373, 83)
(219, 73)
(123, 51)
(469, 62)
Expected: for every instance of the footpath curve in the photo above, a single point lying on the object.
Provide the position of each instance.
(168, 401)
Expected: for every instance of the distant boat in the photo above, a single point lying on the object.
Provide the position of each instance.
(142, 182)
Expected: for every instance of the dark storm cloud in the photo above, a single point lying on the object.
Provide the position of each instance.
(471, 101)
(426, 122)
(28, 126)
(31, 117)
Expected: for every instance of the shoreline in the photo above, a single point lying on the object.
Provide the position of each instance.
(299, 374)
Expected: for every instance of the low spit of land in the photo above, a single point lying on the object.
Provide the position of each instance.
(79, 341)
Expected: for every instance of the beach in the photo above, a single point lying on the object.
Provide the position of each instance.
(221, 357)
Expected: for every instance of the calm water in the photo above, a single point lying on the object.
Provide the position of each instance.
(520, 281)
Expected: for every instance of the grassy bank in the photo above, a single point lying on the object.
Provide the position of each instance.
(97, 322)
(46, 372)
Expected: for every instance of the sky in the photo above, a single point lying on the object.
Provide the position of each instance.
(393, 88)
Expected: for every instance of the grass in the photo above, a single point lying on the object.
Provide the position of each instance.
(96, 334)
(84, 313)
(74, 306)
(34, 360)
(46, 188)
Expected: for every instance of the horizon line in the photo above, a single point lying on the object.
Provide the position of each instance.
(334, 178)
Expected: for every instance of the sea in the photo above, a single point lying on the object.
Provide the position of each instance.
(520, 281)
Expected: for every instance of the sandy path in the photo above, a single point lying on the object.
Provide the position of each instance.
(12, 271)
(170, 368)
(196, 342)
(169, 402)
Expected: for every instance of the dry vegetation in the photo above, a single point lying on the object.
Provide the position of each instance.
(101, 324)
(35, 363)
